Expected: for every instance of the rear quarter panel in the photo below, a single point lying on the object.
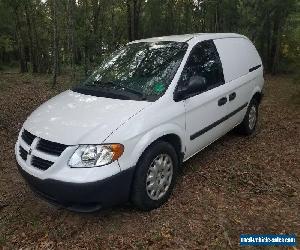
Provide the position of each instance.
(239, 56)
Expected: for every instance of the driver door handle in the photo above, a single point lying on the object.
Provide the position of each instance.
(232, 96)
(222, 101)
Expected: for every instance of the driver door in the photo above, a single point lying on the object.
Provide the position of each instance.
(205, 111)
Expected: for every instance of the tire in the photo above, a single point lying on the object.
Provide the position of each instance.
(148, 176)
(248, 125)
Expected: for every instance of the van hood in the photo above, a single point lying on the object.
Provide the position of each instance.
(72, 118)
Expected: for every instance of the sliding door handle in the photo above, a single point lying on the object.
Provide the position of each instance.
(232, 96)
(222, 101)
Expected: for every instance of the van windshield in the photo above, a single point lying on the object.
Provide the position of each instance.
(138, 71)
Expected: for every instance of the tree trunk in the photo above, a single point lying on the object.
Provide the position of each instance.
(280, 18)
(187, 17)
(39, 59)
(97, 6)
(113, 27)
(217, 17)
(86, 39)
(129, 17)
(96, 12)
(21, 49)
(133, 18)
(55, 42)
(137, 11)
(170, 18)
(71, 36)
(30, 36)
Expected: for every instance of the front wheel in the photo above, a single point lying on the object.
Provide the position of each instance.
(248, 125)
(155, 176)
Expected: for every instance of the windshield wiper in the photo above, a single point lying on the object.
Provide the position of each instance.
(120, 87)
(140, 94)
(99, 82)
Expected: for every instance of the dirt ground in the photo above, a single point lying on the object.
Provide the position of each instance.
(237, 185)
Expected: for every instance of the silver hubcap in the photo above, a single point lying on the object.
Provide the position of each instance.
(159, 176)
(252, 117)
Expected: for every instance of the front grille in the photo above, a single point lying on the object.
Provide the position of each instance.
(27, 137)
(49, 147)
(23, 153)
(40, 163)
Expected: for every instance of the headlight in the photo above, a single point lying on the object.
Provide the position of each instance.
(88, 156)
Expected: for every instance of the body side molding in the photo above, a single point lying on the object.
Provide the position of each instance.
(211, 126)
(255, 68)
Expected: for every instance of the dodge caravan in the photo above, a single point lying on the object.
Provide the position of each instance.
(122, 134)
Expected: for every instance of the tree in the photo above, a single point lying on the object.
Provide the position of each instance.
(55, 42)
(49, 36)
(133, 12)
(71, 34)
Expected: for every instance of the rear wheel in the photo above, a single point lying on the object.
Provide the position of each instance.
(155, 176)
(248, 125)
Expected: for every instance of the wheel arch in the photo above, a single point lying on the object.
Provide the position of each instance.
(257, 94)
(175, 141)
(173, 138)
(169, 133)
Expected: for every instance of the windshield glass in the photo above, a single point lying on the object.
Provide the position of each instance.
(139, 71)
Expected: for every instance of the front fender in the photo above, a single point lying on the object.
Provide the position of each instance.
(135, 147)
(161, 118)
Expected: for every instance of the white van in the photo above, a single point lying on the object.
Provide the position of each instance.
(123, 133)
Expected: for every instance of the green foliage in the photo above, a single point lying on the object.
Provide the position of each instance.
(88, 29)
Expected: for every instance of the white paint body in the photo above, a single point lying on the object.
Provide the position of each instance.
(73, 119)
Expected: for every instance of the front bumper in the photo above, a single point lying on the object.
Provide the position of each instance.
(84, 197)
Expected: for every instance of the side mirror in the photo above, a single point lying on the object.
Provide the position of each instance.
(196, 85)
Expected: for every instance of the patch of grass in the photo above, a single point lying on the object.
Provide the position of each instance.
(3, 240)
(156, 236)
(296, 79)
(295, 98)
(3, 85)
(35, 222)
(59, 233)
(194, 168)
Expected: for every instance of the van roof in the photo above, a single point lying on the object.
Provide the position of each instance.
(187, 37)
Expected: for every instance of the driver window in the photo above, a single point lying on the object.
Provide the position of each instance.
(203, 61)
